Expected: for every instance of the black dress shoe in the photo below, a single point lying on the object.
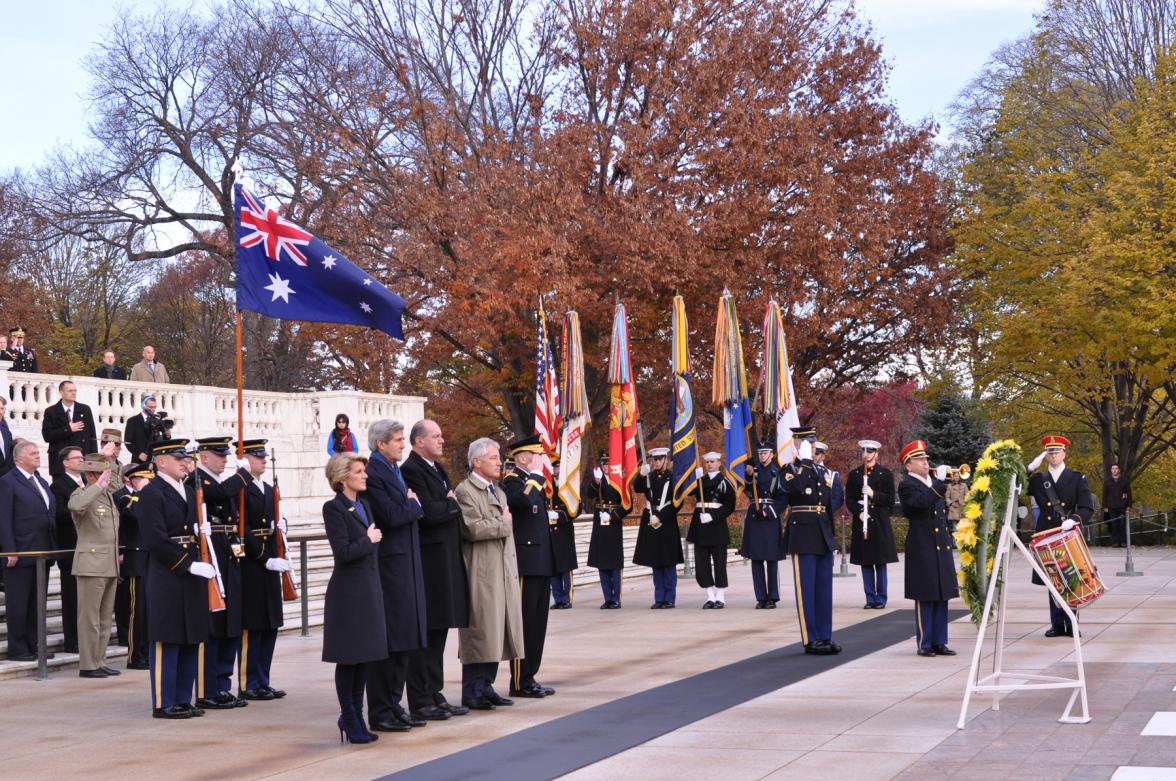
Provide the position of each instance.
(867, 606)
(708, 605)
(614, 605)
(605, 605)
(879, 606)
(390, 725)
(497, 699)
(547, 690)
(454, 710)
(770, 604)
(942, 650)
(817, 649)
(216, 704)
(667, 605)
(761, 605)
(174, 712)
(926, 652)
(531, 692)
(477, 703)
(833, 647)
(431, 713)
(109, 670)
(407, 717)
(231, 701)
(1053, 631)
(278, 693)
(22, 657)
(720, 605)
(656, 606)
(191, 709)
(99, 673)
(138, 666)
(256, 694)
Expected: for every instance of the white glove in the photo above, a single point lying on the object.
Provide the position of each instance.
(867, 490)
(1068, 524)
(704, 517)
(278, 565)
(552, 515)
(644, 470)
(205, 528)
(863, 516)
(243, 463)
(282, 526)
(200, 569)
(805, 451)
(597, 474)
(698, 472)
(1032, 467)
(604, 517)
(941, 472)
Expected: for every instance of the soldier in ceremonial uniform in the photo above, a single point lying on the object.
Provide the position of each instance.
(606, 550)
(708, 529)
(930, 568)
(24, 359)
(869, 492)
(130, 603)
(532, 523)
(261, 581)
(177, 582)
(1064, 499)
(563, 538)
(659, 543)
(220, 502)
(810, 541)
(763, 532)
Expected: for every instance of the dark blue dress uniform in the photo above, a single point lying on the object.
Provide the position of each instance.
(131, 599)
(1067, 497)
(711, 539)
(659, 543)
(929, 567)
(872, 553)
(535, 554)
(261, 594)
(606, 550)
(810, 542)
(763, 530)
(563, 539)
(177, 600)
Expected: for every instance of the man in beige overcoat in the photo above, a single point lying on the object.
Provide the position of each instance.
(149, 369)
(95, 563)
(495, 631)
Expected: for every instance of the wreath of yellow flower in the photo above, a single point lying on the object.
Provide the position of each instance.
(967, 559)
(985, 464)
(980, 485)
(973, 510)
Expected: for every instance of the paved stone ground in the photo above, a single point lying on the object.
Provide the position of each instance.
(889, 714)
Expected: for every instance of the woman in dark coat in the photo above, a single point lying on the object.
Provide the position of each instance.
(353, 620)
(874, 552)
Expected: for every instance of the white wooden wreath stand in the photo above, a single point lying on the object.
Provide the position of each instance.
(1001, 680)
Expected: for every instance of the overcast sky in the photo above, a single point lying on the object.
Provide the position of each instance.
(934, 46)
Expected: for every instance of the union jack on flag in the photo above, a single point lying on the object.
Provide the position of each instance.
(547, 416)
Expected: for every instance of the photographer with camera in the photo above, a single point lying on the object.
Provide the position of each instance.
(146, 428)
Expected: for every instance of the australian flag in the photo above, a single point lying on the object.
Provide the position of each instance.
(285, 272)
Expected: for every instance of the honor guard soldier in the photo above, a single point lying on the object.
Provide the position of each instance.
(563, 538)
(177, 582)
(130, 603)
(708, 529)
(869, 491)
(24, 359)
(810, 541)
(532, 523)
(930, 568)
(659, 543)
(261, 581)
(606, 549)
(220, 518)
(763, 533)
(1064, 499)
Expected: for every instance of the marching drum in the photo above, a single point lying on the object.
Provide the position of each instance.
(1066, 560)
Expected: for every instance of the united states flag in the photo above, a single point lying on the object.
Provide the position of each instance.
(547, 416)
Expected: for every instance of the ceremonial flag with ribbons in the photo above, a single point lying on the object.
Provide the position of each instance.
(623, 412)
(729, 391)
(776, 384)
(683, 434)
(285, 272)
(547, 413)
(574, 409)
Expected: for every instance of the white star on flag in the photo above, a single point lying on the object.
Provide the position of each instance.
(364, 306)
(279, 287)
(367, 282)
(329, 262)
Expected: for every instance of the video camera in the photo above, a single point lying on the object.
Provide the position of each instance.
(159, 427)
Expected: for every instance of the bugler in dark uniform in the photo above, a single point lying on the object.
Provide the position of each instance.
(874, 484)
(709, 532)
(606, 549)
(763, 526)
(131, 601)
(1064, 499)
(563, 539)
(177, 588)
(659, 543)
(810, 542)
(930, 568)
(532, 524)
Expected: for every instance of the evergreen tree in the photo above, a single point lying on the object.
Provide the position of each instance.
(955, 430)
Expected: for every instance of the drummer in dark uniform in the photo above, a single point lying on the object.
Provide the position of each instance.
(177, 582)
(131, 597)
(810, 542)
(659, 543)
(563, 539)
(930, 568)
(606, 550)
(763, 526)
(715, 501)
(1064, 500)
(869, 491)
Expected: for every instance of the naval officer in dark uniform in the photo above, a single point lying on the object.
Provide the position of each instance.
(763, 530)
(929, 567)
(606, 549)
(810, 542)
(869, 491)
(1064, 499)
(709, 531)
(659, 543)
(177, 582)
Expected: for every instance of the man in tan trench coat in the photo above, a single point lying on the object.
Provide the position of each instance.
(495, 631)
(95, 563)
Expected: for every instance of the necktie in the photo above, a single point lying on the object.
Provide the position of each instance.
(37, 487)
